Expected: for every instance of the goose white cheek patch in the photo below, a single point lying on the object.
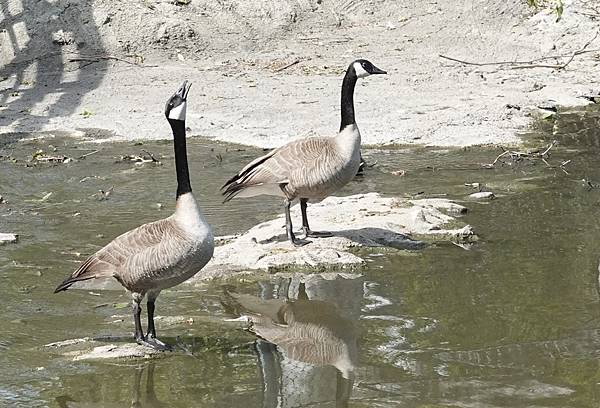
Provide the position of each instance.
(360, 71)
(178, 112)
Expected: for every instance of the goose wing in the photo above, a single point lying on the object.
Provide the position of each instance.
(292, 163)
(150, 247)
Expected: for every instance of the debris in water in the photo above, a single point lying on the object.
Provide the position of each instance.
(477, 186)
(41, 200)
(483, 195)
(511, 157)
(147, 158)
(102, 195)
(42, 157)
(8, 238)
(88, 154)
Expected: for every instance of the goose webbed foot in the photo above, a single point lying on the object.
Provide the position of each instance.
(298, 242)
(157, 344)
(308, 233)
(153, 342)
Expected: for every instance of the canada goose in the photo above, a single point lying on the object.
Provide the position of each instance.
(160, 254)
(308, 169)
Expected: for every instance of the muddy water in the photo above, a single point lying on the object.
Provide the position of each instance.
(512, 321)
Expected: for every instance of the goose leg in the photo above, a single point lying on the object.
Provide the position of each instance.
(288, 226)
(151, 335)
(137, 311)
(139, 334)
(306, 228)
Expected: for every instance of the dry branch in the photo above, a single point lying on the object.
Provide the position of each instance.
(291, 64)
(532, 63)
(98, 58)
(516, 156)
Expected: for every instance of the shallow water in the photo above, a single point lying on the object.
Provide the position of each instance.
(512, 321)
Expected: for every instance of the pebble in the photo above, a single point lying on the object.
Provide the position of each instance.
(483, 195)
(8, 238)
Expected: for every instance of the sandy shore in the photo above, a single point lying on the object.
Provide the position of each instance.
(277, 76)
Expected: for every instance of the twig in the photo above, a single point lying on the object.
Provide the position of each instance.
(479, 64)
(154, 159)
(515, 155)
(531, 63)
(291, 64)
(88, 154)
(100, 57)
(562, 66)
(548, 149)
(504, 153)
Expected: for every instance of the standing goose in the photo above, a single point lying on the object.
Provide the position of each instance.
(308, 169)
(160, 254)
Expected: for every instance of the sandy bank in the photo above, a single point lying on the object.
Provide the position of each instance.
(236, 54)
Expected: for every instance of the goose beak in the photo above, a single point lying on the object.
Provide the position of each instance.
(184, 89)
(377, 70)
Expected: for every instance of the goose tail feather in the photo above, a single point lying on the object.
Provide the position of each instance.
(91, 268)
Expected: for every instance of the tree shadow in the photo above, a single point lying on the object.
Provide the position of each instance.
(38, 82)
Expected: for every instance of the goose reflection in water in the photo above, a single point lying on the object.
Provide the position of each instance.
(307, 351)
(140, 397)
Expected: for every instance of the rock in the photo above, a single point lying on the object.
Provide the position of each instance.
(2, 200)
(86, 348)
(70, 342)
(61, 37)
(483, 195)
(364, 220)
(8, 238)
(114, 351)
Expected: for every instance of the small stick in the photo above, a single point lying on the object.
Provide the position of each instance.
(88, 154)
(530, 64)
(548, 149)
(97, 58)
(287, 66)
(154, 159)
(562, 66)
(504, 153)
(480, 64)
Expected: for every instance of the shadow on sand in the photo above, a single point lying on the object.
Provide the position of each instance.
(38, 78)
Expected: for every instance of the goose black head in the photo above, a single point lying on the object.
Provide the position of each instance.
(364, 68)
(176, 105)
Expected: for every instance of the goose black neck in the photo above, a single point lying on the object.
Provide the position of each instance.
(348, 99)
(181, 162)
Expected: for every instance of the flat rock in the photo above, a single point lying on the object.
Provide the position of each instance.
(8, 238)
(364, 220)
(86, 348)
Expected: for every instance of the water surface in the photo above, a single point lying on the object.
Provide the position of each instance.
(513, 321)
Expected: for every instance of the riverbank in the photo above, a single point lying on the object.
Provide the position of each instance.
(274, 74)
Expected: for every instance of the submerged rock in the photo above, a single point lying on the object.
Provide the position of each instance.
(115, 351)
(364, 220)
(482, 195)
(86, 348)
(8, 238)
